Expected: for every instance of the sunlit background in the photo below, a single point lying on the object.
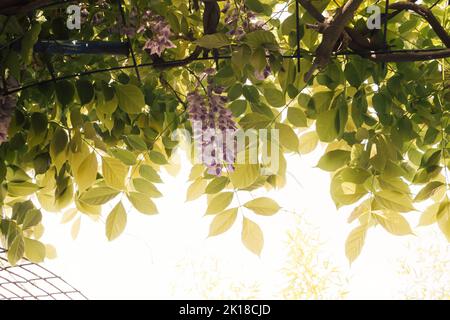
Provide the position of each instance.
(169, 256)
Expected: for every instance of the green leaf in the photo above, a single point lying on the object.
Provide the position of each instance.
(65, 92)
(288, 137)
(274, 97)
(196, 189)
(146, 187)
(34, 250)
(364, 208)
(219, 202)
(98, 195)
(137, 142)
(428, 191)
(222, 222)
(32, 218)
(252, 236)
(254, 121)
(238, 107)
(394, 201)
(114, 172)
(261, 39)
(394, 223)
(16, 250)
(428, 217)
(354, 175)
(216, 185)
(86, 173)
(255, 5)
(258, 59)
(59, 142)
(22, 189)
(142, 203)
(263, 206)
(244, 175)
(443, 218)
(157, 157)
(149, 174)
(308, 142)
(75, 229)
(250, 93)
(116, 222)
(297, 117)
(28, 42)
(126, 156)
(131, 98)
(326, 125)
(85, 91)
(213, 41)
(355, 242)
(333, 160)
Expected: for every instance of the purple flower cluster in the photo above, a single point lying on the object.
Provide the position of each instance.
(213, 129)
(248, 19)
(154, 27)
(263, 74)
(98, 17)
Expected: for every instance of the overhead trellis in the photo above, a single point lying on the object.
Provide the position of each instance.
(357, 45)
(31, 281)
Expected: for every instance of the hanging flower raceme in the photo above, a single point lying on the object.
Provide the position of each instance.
(241, 23)
(213, 129)
(154, 28)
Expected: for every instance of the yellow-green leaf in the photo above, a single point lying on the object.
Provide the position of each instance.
(308, 142)
(429, 215)
(263, 206)
(146, 187)
(142, 203)
(443, 219)
(131, 98)
(244, 175)
(222, 222)
(428, 191)
(87, 172)
(252, 236)
(219, 202)
(333, 160)
(116, 222)
(22, 189)
(149, 173)
(355, 242)
(394, 223)
(34, 250)
(16, 250)
(216, 185)
(75, 230)
(114, 172)
(394, 201)
(98, 195)
(196, 189)
(288, 138)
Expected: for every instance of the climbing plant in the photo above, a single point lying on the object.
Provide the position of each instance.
(88, 115)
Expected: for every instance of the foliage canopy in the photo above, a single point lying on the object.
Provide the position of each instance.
(379, 104)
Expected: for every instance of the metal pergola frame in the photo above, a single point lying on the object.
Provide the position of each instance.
(30, 281)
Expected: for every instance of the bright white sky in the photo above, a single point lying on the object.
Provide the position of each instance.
(158, 256)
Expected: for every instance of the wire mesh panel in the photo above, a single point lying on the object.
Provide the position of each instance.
(30, 281)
